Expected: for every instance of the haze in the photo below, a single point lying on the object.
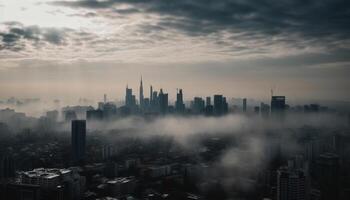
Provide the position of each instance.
(85, 48)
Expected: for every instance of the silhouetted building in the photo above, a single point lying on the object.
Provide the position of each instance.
(94, 114)
(109, 110)
(244, 105)
(141, 95)
(291, 184)
(17, 191)
(328, 176)
(163, 102)
(225, 105)
(179, 104)
(78, 140)
(207, 101)
(278, 105)
(70, 115)
(312, 108)
(129, 99)
(198, 105)
(52, 115)
(264, 110)
(256, 110)
(218, 105)
(7, 167)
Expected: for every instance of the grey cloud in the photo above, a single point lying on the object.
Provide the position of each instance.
(16, 36)
(309, 18)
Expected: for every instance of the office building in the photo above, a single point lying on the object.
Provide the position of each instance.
(78, 140)
(179, 104)
(278, 105)
(141, 95)
(327, 167)
(291, 184)
(163, 102)
(244, 105)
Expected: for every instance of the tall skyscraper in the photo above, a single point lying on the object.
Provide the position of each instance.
(163, 102)
(198, 105)
(141, 94)
(244, 105)
(328, 175)
(128, 96)
(7, 167)
(218, 104)
(78, 140)
(151, 94)
(208, 101)
(291, 184)
(179, 105)
(278, 104)
(264, 110)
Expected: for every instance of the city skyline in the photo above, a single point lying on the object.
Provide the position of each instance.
(87, 48)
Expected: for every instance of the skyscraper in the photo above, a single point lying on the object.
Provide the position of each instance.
(128, 96)
(218, 104)
(179, 105)
(163, 102)
(141, 94)
(278, 104)
(328, 175)
(151, 94)
(291, 184)
(78, 140)
(198, 105)
(7, 167)
(208, 101)
(244, 105)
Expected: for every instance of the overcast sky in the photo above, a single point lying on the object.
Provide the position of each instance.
(241, 48)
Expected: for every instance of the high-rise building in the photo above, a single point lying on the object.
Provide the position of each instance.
(218, 104)
(70, 115)
(328, 175)
(163, 102)
(128, 97)
(78, 140)
(7, 167)
(198, 105)
(278, 105)
(264, 110)
(151, 94)
(291, 184)
(208, 101)
(141, 95)
(94, 114)
(225, 105)
(244, 105)
(179, 105)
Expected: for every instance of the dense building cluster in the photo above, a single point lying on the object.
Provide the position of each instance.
(43, 160)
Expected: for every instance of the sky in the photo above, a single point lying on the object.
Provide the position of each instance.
(240, 48)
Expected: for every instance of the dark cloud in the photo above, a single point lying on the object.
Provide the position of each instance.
(16, 36)
(309, 18)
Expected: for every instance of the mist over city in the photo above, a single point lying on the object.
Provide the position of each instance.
(174, 100)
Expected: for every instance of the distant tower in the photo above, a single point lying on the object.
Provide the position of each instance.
(278, 105)
(218, 104)
(78, 140)
(208, 101)
(128, 96)
(291, 184)
(179, 105)
(105, 98)
(141, 94)
(151, 94)
(244, 105)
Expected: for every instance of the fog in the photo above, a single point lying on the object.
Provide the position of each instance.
(248, 143)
